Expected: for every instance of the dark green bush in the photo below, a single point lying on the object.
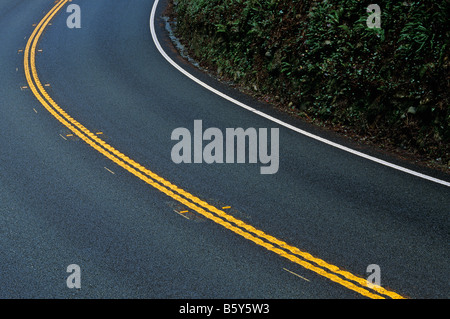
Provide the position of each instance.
(321, 58)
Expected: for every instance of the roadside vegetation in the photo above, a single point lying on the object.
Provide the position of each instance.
(319, 60)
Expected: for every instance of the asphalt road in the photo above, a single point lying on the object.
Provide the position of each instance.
(63, 202)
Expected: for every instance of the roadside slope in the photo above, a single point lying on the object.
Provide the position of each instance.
(387, 87)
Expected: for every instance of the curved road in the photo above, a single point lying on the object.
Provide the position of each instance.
(87, 178)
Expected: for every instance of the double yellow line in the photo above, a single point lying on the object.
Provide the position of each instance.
(237, 226)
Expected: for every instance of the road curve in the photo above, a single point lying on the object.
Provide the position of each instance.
(87, 178)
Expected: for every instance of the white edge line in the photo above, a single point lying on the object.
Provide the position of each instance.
(273, 119)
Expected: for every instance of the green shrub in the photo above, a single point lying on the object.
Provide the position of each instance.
(321, 57)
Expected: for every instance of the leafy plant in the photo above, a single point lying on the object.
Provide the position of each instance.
(320, 56)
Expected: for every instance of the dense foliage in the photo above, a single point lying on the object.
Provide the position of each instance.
(321, 59)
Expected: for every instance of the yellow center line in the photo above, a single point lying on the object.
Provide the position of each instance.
(239, 227)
